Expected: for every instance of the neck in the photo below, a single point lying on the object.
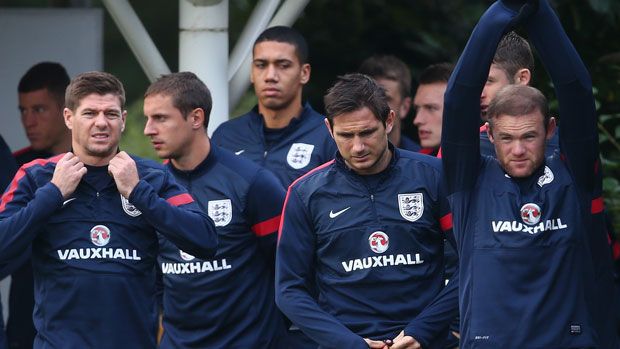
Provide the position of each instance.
(280, 118)
(61, 147)
(197, 152)
(92, 160)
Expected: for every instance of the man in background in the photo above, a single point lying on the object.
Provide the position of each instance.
(395, 77)
(428, 105)
(281, 133)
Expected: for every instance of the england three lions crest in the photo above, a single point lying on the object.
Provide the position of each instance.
(220, 212)
(129, 208)
(299, 155)
(411, 206)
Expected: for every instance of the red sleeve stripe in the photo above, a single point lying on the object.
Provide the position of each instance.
(288, 192)
(267, 227)
(180, 199)
(597, 205)
(10, 193)
(446, 222)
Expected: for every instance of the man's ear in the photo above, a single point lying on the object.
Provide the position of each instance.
(197, 118)
(389, 121)
(68, 116)
(489, 132)
(551, 127)
(329, 127)
(523, 77)
(305, 73)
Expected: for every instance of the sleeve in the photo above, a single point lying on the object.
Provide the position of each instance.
(8, 168)
(264, 206)
(24, 210)
(428, 327)
(571, 80)
(175, 214)
(295, 271)
(460, 132)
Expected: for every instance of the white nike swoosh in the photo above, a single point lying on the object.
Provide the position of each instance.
(239, 152)
(67, 201)
(333, 214)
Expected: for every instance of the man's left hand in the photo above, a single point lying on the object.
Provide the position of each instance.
(125, 173)
(405, 342)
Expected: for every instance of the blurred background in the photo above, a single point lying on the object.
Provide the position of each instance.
(341, 33)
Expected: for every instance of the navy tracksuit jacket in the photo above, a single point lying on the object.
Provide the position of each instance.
(94, 254)
(227, 301)
(303, 145)
(535, 266)
(375, 253)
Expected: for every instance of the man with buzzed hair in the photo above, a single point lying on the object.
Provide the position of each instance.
(395, 77)
(281, 133)
(41, 93)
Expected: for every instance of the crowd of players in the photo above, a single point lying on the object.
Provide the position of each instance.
(290, 229)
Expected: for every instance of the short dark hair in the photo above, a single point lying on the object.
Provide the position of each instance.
(188, 92)
(513, 53)
(435, 73)
(286, 35)
(517, 100)
(96, 82)
(355, 91)
(391, 68)
(49, 75)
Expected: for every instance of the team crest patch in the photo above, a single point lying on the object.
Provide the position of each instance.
(100, 235)
(530, 214)
(220, 212)
(411, 206)
(186, 256)
(546, 178)
(379, 242)
(129, 208)
(299, 155)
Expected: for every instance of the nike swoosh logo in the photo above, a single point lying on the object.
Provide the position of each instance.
(239, 152)
(67, 201)
(333, 214)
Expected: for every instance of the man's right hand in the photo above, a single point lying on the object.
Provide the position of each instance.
(68, 173)
(373, 344)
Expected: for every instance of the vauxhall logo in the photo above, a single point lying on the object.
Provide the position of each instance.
(530, 215)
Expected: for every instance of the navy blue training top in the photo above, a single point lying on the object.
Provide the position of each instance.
(94, 254)
(374, 249)
(227, 301)
(535, 267)
(303, 145)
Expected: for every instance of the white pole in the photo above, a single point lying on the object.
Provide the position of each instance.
(286, 15)
(259, 19)
(137, 37)
(203, 50)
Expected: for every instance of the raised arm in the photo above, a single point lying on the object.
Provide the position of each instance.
(460, 140)
(578, 136)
